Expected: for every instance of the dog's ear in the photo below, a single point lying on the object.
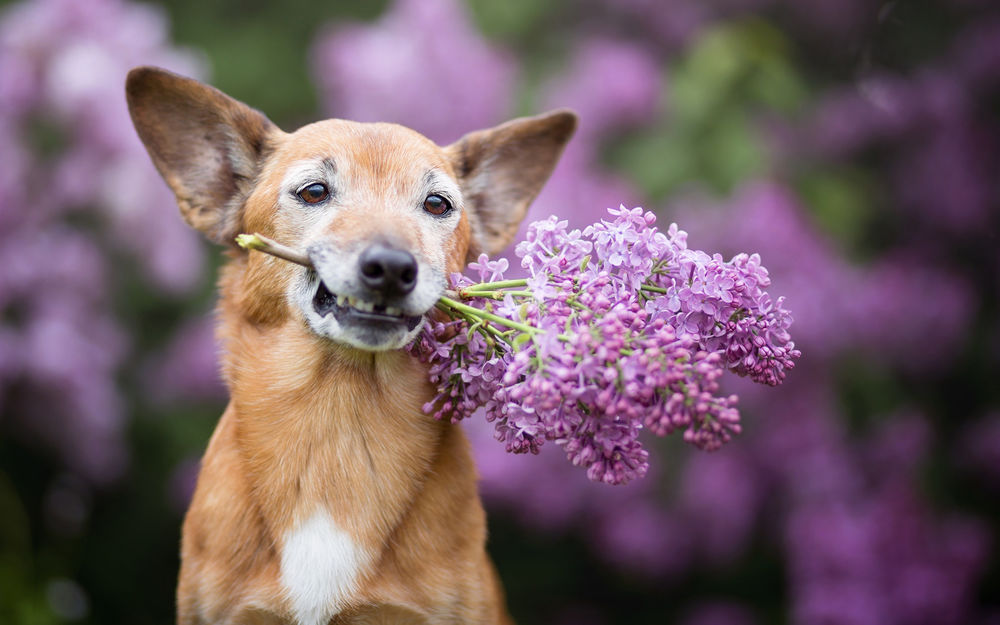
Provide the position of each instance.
(502, 169)
(207, 146)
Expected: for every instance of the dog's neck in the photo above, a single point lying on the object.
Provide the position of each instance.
(322, 428)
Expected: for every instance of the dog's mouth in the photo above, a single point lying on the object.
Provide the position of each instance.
(347, 309)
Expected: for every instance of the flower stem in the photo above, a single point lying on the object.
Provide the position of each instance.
(263, 244)
(653, 289)
(482, 314)
(492, 294)
(490, 286)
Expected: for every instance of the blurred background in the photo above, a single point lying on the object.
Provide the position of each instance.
(854, 143)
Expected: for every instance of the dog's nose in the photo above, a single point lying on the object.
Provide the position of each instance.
(388, 270)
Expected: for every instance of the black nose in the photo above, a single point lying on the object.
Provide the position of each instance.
(387, 270)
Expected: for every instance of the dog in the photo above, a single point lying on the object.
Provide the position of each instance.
(326, 495)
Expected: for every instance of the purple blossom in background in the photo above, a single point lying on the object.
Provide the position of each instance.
(860, 546)
(189, 366)
(63, 66)
(948, 175)
(883, 561)
(839, 306)
(611, 85)
(897, 446)
(422, 64)
(71, 59)
(721, 495)
(913, 312)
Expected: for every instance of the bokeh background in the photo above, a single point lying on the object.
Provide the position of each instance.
(853, 143)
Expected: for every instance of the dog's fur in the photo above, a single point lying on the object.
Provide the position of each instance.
(326, 495)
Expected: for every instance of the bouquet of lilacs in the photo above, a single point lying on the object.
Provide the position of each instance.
(617, 329)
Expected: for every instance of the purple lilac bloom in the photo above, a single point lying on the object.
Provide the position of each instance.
(422, 65)
(591, 354)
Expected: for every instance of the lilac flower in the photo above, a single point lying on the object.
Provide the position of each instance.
(587, 357)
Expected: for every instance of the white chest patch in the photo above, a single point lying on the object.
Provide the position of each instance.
(320, 565)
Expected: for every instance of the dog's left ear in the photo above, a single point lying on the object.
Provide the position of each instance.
(502, 169)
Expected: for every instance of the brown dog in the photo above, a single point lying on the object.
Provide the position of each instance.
(326, 495)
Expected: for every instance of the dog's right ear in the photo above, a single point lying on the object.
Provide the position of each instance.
(207, 146)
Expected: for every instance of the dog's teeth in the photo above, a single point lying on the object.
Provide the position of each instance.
(341, 300)
(392, 310)
(352, 302)
(366, 306)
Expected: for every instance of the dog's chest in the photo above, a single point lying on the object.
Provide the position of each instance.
(320, 568)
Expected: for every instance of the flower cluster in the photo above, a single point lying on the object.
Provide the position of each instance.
(617, 329)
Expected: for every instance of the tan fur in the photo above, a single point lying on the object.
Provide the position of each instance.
(313, 424)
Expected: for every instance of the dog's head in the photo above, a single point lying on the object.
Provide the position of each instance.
(383, 213)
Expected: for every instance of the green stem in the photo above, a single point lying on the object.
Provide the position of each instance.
(493, 294)
(653, 289)
(482, 314)
(489, 286)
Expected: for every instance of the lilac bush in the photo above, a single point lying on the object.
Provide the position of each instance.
(70, 156)
(618, 328)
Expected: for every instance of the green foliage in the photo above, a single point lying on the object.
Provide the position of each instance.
(716, 92)
(840, 200)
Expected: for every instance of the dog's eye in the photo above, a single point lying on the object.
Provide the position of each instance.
(436, 205)
(314, 193)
